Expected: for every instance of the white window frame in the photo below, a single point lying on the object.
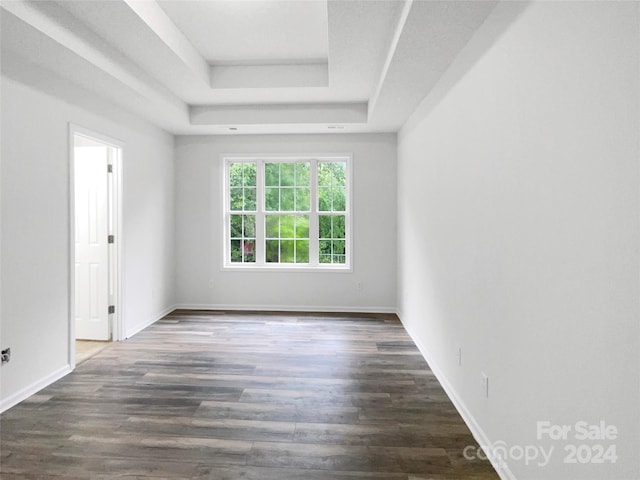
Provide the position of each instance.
(260, 264)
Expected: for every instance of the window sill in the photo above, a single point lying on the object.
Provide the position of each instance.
(288, 269)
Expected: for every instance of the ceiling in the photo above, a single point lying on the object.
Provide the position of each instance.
(233, 32)
(244, 66)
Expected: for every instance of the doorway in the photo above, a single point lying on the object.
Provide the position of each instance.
(95, 240)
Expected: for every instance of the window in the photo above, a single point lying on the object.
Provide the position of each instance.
(287, 212)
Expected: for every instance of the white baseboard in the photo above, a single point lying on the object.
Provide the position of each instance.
(151, 321)
(284, 308)
(58, 374)
(25, 393)
(478, 433)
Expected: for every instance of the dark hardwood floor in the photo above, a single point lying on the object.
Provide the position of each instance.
(253, 396)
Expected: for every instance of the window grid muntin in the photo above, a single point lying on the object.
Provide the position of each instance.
(261, 213)
(296, 238)
(244, 190)
(293, 190)
(244, 240)
(289, 179)
(331, 190)
(337, 243)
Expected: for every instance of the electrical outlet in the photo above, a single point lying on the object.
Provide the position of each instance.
(5, 355)
(485, 384)
(459, 356)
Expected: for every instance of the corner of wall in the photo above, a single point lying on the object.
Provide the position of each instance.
(474, 426)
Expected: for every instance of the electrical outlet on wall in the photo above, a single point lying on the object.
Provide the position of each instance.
(485, 384)
(6, 355)
(459, 354)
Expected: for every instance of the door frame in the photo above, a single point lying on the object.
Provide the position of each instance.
(115, 252)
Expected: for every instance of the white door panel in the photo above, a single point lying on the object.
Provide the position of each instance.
(91, 249)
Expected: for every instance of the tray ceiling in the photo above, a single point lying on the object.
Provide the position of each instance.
(244, 66)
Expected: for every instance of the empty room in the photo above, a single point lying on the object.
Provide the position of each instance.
(320, 239)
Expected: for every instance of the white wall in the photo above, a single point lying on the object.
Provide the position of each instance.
(519, 233)
(202, 282)
(35, 229)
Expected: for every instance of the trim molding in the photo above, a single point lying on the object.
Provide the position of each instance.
(284, 308)
(476, 430)
(26, 392)
(34, 388)
(154, 319)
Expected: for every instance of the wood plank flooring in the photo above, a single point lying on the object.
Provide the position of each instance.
(245, 396)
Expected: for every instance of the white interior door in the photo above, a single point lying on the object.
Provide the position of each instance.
(91, 241)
